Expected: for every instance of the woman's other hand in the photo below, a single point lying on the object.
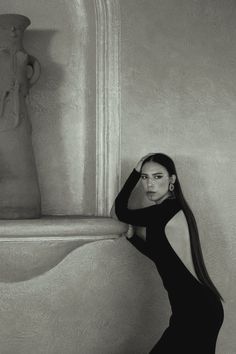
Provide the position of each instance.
(130, 232)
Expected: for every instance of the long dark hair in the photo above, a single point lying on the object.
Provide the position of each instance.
(196, 250)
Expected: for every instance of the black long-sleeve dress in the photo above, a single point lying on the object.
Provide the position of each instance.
(197, 313)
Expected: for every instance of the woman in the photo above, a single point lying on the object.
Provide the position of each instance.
(197, 311)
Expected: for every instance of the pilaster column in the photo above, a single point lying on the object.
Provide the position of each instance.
(107, 13)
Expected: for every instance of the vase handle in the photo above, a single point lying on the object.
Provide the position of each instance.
(36, 68)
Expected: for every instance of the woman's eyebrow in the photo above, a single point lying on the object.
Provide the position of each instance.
(153, 174)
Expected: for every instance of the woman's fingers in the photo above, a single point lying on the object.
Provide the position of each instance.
(148, 155)
(130, 232)
(139, 164)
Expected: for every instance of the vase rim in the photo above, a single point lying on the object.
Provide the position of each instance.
(9, 20)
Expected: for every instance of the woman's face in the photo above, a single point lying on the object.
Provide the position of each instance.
(155, 180)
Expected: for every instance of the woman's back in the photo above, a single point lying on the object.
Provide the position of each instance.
(177, 235)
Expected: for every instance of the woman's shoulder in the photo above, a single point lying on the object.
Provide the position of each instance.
(167, 209)
(170, 202)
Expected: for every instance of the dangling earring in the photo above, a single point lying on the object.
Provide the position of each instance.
(171, 187)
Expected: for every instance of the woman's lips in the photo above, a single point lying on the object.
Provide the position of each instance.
(151, 195)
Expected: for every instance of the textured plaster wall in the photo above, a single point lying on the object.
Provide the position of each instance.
(93, 302)
(178, 97)
(62, 103)
(178, 90)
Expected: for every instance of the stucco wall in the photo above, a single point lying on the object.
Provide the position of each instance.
(178, 97)
(62, 102)
(93, 302)
(178, 90)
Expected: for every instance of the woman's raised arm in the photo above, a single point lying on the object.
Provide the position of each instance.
(138, 217)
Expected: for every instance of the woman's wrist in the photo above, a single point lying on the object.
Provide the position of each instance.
(139, 166)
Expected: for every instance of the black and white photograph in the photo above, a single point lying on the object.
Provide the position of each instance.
(117, 176)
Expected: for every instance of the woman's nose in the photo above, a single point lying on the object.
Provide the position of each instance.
(150, 182)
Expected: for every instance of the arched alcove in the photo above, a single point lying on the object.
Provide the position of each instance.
(75, 106)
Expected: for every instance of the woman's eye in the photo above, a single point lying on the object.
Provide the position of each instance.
(143, 177)
(158, 177)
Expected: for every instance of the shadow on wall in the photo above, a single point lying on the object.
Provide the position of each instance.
(45, 109)
(62, 109)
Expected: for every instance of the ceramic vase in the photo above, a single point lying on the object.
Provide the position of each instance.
(19, 187)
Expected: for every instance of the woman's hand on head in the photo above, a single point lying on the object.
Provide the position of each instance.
(139, 164)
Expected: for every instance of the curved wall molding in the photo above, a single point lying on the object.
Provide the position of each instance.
(107, 14)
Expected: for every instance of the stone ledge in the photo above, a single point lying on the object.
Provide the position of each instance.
(59, 226)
